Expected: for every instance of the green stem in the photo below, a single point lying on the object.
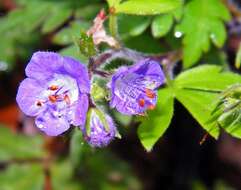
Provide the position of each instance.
(113, 26)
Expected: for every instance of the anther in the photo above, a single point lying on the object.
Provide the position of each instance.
(53, 87)
(53, 98)
(149, 93)
(141, 102)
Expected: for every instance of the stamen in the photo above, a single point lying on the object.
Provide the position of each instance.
(67, 99)
(53, 87)
(150, 93)
(141, 102)
(53, 98)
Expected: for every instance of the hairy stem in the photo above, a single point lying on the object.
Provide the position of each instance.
(113, 26)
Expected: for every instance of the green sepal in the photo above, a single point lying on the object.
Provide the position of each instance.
(97, 93)
(86, 45)
(101, 116)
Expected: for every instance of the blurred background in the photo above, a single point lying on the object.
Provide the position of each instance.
(31, 161)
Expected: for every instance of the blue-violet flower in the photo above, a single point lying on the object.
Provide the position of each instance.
(55, 92)
(133, 89)
(100, 128)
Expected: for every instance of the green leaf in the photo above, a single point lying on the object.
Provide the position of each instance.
(147, 7)
(140, 42)
(62, 176)
(17, 146)
(88, 12)
(231, 122)
(199, 104)
(132, 25)
(56, 18)
(202, 22)
(227, 112)
(158, 120)
(113, 3)
(22, 177)
(86, 45)
(206, 77)
(197, 90)
(161, 25)
(73, 51)
(68, 34)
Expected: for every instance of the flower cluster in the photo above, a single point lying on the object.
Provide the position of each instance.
(57, 93)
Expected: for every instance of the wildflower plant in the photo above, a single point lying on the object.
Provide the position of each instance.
(62, 92)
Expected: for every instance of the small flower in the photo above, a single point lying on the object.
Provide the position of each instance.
(100, 128)
(133, 89)
(55, 92)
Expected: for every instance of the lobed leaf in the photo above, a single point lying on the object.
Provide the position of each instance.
(197, 89)
(202, 22)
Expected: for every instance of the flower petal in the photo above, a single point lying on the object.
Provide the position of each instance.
(79, 72)
(152, 72)
(81, 110)
(43, 64)
(133, 89)
(28, 95)
(50, 124)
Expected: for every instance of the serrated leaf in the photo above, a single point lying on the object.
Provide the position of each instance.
(197, 89)
(17, 146)
(231, 122)
(147, 7)
(206, 77)
(158, 120)
(203, 20)
(56, 18)
(227, 112)
(161, 25)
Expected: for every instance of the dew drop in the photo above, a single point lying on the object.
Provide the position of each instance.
(178, 34)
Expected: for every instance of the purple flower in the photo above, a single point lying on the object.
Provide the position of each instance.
(133, 89)
(100, 128)
(55, 92)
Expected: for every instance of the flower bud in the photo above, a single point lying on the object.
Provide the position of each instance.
(100, 128)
